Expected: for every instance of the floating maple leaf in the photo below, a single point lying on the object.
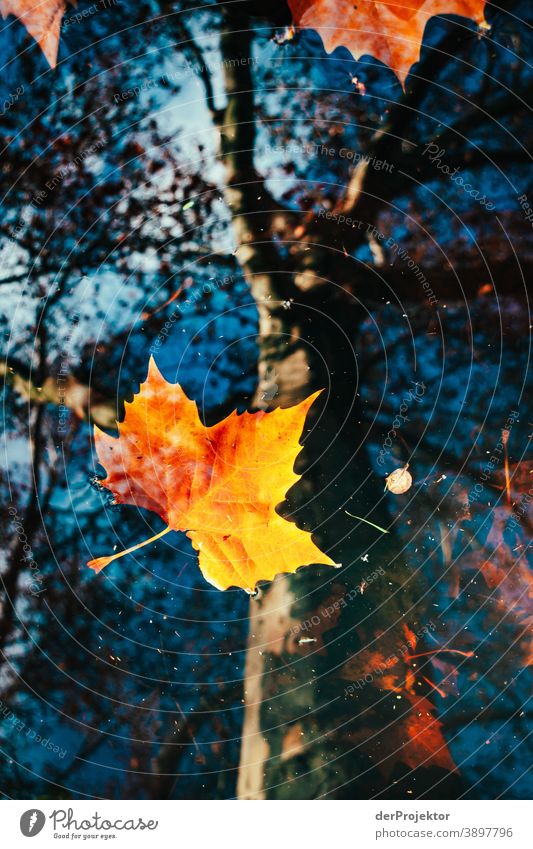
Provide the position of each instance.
(42, 19)
(220, 484)
(392, 32)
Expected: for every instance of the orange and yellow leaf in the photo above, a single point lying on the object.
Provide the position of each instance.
(219, 484)
(42, 19)
(391, 32)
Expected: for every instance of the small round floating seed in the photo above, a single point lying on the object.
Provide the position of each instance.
(399, 481)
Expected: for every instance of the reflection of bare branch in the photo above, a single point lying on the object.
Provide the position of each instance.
(370, 184)
(372, 189)
(184, 732)
(92, 742)
(463, 720)
(15, 278)
(189, 45)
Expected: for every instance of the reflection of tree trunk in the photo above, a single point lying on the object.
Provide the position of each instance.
(25, 527)
(307, 732)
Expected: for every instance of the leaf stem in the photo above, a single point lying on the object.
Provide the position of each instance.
(100, 562)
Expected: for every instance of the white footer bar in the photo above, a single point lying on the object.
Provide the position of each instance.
(279, 825)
